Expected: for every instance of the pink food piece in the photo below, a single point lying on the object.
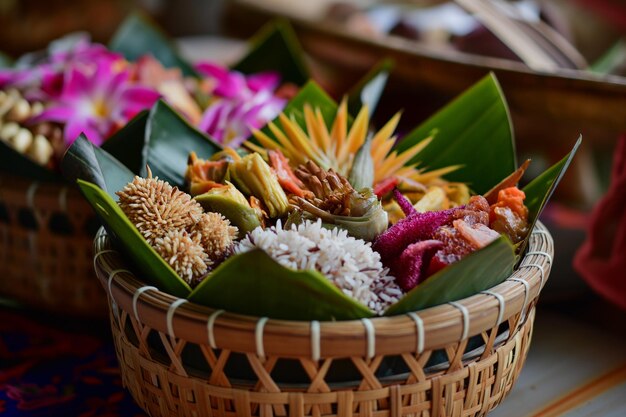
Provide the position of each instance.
(475, 211)
(410, 267)
(507, 222)
(404, 203)
(478, 235)
(411, 229)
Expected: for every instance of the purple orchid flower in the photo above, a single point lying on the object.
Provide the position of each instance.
(97, 101)
(241, 103)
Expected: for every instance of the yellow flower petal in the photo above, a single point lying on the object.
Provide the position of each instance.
(340, 126)
(382, 137)
(355, 138)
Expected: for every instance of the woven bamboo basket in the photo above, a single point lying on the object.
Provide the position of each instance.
(46, 257)
(459, 359)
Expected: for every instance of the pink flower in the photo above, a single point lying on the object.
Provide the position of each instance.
(97, 100)
(38, 77)
(240, 103)
(170, 83)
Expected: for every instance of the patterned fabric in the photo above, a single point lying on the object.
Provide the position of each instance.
(55, 367)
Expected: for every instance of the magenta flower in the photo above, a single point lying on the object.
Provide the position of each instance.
(39, 78)
(97, 101)
(240, 103)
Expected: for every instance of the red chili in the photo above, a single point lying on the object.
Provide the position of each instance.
(385, 186)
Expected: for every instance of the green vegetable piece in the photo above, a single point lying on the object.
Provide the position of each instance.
(252, 175)
(368, 219)
(367, 227)
(231, 204)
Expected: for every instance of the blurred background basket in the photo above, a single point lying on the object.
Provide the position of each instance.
(46, 258)
(458, 359)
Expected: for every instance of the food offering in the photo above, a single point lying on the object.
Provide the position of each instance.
(322, 194)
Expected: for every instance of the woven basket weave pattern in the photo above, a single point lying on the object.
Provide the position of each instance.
(154, 334)
(46, 256)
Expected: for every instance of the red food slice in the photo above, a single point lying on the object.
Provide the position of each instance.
(385, 186)
(286, 178)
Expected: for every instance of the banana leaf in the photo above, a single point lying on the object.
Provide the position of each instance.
(85, 161)
(276, 48)
(170, 139)
(139, 35)
(315, 96)
(369, 89)
(476, 126)
(128, 145)
(162, 139)
(13, 162)
(253, 283)
(539, 190)
(151, 266)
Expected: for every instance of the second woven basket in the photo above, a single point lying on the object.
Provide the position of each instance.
(46, 258)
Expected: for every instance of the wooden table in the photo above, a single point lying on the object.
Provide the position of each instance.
(576, 365)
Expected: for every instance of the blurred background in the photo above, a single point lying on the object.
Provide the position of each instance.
(562, 68)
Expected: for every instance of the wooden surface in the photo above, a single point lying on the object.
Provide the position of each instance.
(576, 365)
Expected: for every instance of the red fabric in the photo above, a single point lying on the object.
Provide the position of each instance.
(612, 11)
(601, 260)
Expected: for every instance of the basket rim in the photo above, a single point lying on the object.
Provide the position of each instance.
(427, 329)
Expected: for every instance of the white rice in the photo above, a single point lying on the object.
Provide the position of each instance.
(349, 263)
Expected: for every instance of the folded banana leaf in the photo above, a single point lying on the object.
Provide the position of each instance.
(139, 35)
(161, 139)
(130, 242)
(276, 48)
(253, 283)
(475, 126)
(99, 175)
